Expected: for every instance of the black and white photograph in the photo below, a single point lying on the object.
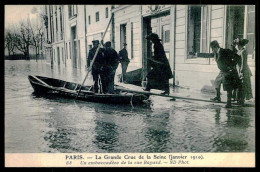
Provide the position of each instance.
(147, 80)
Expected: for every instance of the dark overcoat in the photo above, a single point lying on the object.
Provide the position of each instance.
(226, 62)
(123, 55)
(160, 64)
(98, 63)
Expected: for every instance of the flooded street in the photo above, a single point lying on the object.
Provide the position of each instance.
(46, 124)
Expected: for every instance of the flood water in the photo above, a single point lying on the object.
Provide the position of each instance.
(43, 124)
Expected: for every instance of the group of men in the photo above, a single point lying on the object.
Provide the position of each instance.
(105, 65)
(107, 60)
(228, 76)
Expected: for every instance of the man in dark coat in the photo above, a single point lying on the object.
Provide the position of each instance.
(226, 60)
(97, 63)
(110, 64)
(124, 60)
(158, 77)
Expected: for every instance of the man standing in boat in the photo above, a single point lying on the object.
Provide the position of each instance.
(96, 68)
(124, 60)
(158, 77)
(110, 64)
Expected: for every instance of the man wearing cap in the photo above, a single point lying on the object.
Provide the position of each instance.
(158, 77)
(97, 63)
(110, 64)
(226, 60)
(124, 60)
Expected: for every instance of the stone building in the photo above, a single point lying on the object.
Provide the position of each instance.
(70, 30)
(186, 32)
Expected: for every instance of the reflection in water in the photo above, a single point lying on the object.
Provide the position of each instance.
(60, 140)
(53, 124)
(157, 132)
(238, 118)
(106, 135)
(234, 137)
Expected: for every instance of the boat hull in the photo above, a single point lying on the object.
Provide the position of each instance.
(47, 86)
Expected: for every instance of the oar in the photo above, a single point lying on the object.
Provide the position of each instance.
(92, 62)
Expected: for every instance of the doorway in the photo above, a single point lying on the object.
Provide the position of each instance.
(161, 26)
(235, 24)
(74, 47)
(58, 55)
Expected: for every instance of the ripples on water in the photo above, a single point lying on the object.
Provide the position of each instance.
(52, 124)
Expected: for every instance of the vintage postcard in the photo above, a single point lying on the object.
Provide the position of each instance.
(130, 85)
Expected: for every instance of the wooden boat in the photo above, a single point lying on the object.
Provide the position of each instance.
(44, 85)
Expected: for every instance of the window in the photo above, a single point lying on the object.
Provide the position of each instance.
(61, 27)
(62, 55)
(73, 32)
(197, 31)
(122, 35)
(72, 10)
(97, 16)
(132, 40)
(250, 35)
(89, 21)
(107, 12)
(56, 19)
(66, 51)
(70, 49)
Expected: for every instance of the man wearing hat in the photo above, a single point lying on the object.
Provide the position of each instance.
(158, 77)
(226, 60)
(124, 60)
(97, 63)
(110, 64)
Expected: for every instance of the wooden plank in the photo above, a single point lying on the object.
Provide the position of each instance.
(128, 88)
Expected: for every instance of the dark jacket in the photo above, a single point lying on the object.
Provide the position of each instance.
(226, 62)
(159, 62)
(123, 55)
(111, 59)
(99, 59)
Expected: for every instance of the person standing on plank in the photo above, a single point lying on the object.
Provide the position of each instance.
(97, 63)
(158, 77)
(226, 61)
(124, 60)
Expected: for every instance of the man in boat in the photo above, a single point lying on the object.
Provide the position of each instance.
(96, 68)
(110, 64)
(124, 60)
(158, 77)
(226, 60)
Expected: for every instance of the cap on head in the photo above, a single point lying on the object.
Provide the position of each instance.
(214, 44)
(95, 41)
(108, 44)
(125, 44)
(153, 36)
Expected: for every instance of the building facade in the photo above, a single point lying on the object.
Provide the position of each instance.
(186, 32)
(70, 30)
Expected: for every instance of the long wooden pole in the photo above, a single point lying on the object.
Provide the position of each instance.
(162, 95)
(92, 62)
